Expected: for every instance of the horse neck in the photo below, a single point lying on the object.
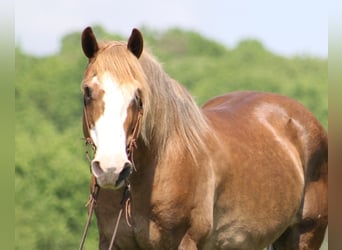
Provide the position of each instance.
(174, 133)
(172, 117)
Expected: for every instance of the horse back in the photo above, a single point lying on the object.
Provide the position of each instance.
(250, 113)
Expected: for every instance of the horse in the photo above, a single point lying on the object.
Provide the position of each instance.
(245, 171)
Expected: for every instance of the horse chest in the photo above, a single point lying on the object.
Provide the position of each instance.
(158, 225)
(148, 233)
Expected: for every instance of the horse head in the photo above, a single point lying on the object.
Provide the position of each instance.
(113, 103)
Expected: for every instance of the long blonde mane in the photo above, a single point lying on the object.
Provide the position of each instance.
(171, 117)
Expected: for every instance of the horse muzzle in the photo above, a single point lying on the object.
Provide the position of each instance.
(110, 177)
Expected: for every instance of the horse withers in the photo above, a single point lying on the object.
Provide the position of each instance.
(247, 170)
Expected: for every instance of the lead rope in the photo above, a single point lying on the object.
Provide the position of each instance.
(90, 204)
(126, 196)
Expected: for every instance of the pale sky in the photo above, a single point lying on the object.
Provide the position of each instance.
(291, 27)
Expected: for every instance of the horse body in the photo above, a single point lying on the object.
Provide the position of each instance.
(248, 170)
(269, 142)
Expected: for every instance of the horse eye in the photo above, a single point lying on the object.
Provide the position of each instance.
(138, 100)
(87, 95)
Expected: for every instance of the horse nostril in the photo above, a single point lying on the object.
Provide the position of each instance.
(126, 171)
(95, 166)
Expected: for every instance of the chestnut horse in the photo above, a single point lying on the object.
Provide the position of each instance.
(246, 171)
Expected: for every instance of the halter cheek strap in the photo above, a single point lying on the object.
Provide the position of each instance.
(132, 145)
(88, 139)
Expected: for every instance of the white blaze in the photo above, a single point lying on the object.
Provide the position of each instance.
(108, 132)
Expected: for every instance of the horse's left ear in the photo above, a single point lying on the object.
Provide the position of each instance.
(136, 43)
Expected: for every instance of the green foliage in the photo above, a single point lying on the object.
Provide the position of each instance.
(52, 174)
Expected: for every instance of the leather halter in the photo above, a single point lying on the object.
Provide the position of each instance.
(95, 188)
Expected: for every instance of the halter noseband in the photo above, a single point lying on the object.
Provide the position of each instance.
(132, 144)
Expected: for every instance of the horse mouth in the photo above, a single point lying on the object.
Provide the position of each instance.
(104, 183)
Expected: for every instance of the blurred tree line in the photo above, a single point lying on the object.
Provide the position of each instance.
(52, 174)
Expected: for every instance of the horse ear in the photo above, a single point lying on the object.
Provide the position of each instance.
(136, 43)
(89, 43)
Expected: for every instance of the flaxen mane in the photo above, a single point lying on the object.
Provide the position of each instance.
(171, 104)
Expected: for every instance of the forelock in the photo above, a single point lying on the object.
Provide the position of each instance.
(114, 57)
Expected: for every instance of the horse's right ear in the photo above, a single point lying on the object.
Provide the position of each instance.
(89, 43)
